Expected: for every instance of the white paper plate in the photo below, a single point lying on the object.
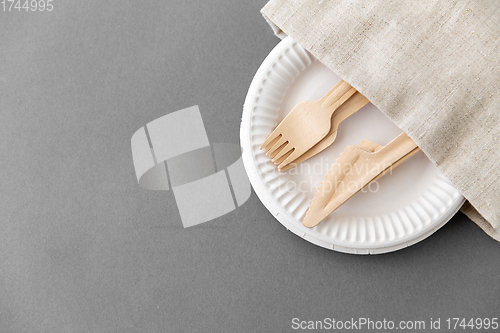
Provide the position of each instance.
(399, 210)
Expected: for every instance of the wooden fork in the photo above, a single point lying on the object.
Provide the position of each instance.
(356, 168)
(351, 106)
(306, 125)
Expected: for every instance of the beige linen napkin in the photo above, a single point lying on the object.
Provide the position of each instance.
(433, 67)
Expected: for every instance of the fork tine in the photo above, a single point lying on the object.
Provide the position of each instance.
(277, 145)
(290, 159)
(271, 144)
(270, 139)
(283, 152)
(274, 152)
(282, 158)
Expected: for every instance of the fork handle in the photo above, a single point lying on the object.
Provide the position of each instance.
(338, 95)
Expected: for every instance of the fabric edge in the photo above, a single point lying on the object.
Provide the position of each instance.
(478, 219)
(277, 30)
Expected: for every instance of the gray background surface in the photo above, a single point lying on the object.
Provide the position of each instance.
(84, 249)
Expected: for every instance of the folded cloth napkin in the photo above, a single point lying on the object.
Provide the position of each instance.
(433, 67)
